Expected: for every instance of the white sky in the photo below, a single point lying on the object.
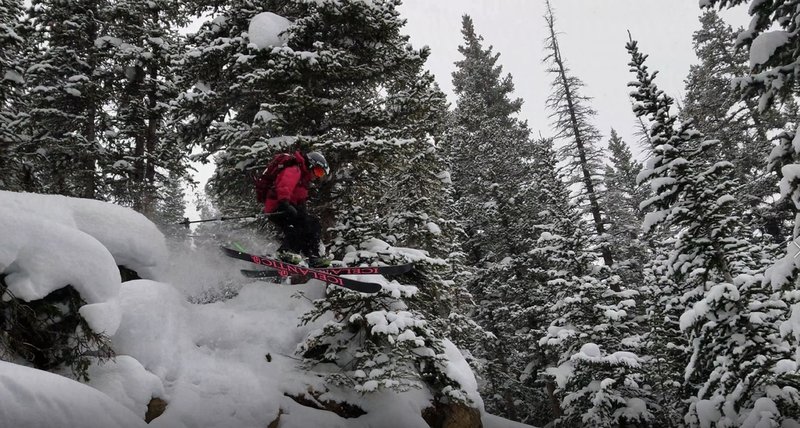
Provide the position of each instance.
(593, 37)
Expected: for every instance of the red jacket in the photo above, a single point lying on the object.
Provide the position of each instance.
(291, 185)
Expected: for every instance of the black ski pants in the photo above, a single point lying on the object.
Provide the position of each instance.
(301, 232)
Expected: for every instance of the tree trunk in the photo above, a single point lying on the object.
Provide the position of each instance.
(135, 126)
(580, 144)
(151, 142)
(555, 406)
(88, 154)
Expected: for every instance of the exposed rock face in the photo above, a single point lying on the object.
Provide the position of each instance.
(155, 408)
(127, 274)
(343, 409)
(277, 421)
(453, 415)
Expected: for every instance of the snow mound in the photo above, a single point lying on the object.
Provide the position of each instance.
(52, 241)
(39, 257)
(152, 331)
(459, 370)
(267, 30)
(127, 382)
(132, 240)
(765, 45)
(35, 398)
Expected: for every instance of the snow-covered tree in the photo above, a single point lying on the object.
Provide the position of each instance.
(141, 44)
(489, 152)
(10, 14)
(719, 112)
(227, 78)
(387, 346)
(770, 40)
(582, 313)
(487, 147)
(623, 195)
(771, 51)
(11, 80)
(67, 95)
(418, 217)
(337, 76)
(169, 211)
(727, 314)
(98, 83)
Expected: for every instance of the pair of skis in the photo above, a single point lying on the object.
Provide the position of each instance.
(329, 275)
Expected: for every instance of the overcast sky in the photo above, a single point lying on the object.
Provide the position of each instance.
(593, 37)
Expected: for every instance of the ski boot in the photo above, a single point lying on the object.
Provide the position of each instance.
(319, 262)
(290, 257)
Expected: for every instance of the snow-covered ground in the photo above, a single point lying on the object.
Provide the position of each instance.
(229, 363)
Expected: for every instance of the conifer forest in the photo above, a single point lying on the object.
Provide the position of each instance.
(587, 280)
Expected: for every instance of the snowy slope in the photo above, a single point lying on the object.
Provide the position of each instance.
(229, 363)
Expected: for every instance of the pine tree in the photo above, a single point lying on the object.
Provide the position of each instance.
(10, 14)
(716, 300)
(719, 112)
(773, 76)
(489, 152)
(141, 44)
(11, 80)
(228, 110)
(487, 147)
(170, 209)
(623, 195)
(510, 306)
(98, 80)
(417, 218)
(572, 117)
(66, 96)
(584, 316)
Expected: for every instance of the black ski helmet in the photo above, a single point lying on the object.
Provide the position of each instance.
(316, 160)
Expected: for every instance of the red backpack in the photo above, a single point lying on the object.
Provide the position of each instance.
(266, 180)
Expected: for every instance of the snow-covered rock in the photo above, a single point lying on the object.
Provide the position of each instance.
(127, 382)
(39, 256)
(52, 241)
(35, 398)
(130, 237)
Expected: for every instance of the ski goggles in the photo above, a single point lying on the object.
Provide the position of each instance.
(318, 171)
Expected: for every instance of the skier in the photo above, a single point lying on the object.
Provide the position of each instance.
(287, 196)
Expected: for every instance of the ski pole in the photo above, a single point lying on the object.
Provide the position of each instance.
(186, 222)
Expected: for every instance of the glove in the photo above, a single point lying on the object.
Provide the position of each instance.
(288, 209)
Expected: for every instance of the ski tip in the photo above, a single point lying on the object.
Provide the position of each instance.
(230, 251)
